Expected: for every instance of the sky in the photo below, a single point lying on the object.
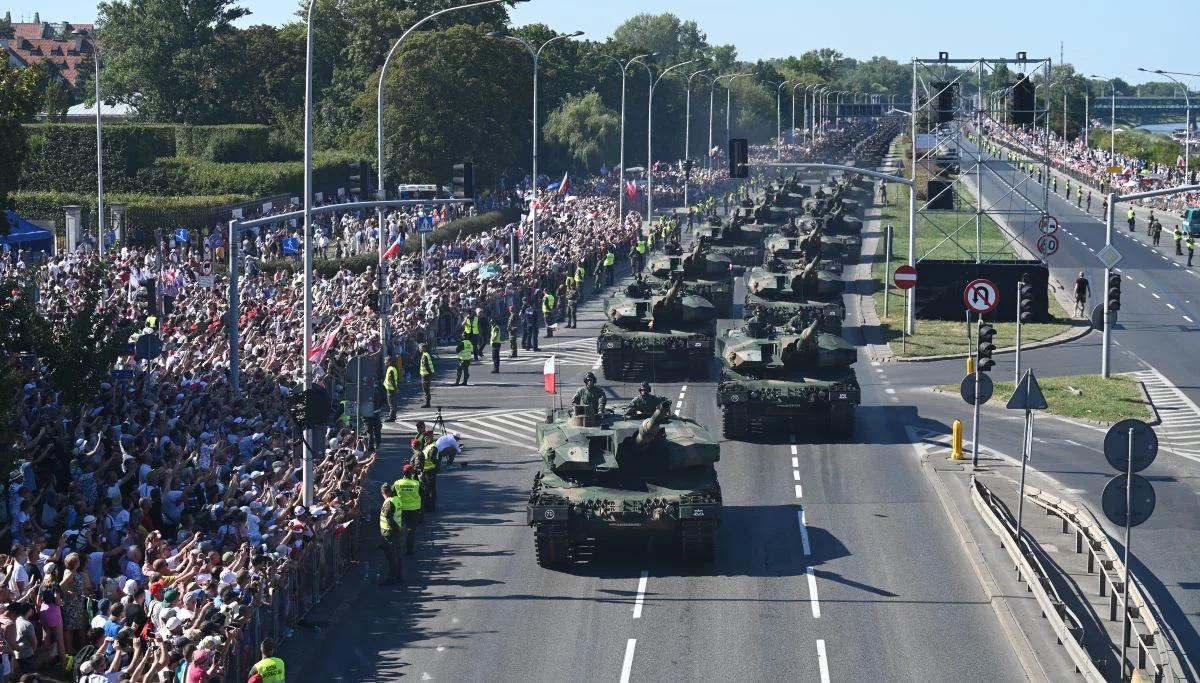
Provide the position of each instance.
(1104, 37)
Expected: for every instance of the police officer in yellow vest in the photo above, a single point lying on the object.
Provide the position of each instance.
(471, 331)
(466, 352)
(427, 370)
(424, 464)
(391, 524)
(639, 248)
(1129, 216)
(495, 340)
(391, 383)
(549, 301)
(610, 266)
(580, 271)
(269, 667)
(409, 494)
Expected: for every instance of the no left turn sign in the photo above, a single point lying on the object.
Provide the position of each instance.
(981, 296)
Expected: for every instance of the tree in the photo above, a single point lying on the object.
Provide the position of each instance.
(266, 80)
(585, 126)
(673, 39)
(166, 57)
(18, 103)
(452, 95)
(55, 100)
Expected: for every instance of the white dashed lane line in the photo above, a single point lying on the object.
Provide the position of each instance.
(641, 594)
(1188, 319)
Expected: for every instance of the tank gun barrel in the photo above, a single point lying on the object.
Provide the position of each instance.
(649, 428)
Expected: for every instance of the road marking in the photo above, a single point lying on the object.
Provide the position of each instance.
(795, 462)
(683, 389)
(803, 533)
(813, 598)
(889, 390)
(1141, 285)
(1170, 307)
(796, 475)
(822, 661)
(627, 666)
(1188, 319)
(794, 449)
(641, 594)
(1129, 277)
(799, 490)
(1155, 295)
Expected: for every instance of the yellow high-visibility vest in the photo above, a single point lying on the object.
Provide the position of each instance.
(409, 493)
(397, 520)
(468, 350)
(426, 364)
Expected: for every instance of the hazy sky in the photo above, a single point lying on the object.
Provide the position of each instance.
(1103, 37)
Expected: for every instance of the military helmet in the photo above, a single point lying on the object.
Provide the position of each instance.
(590, 377)
(645, 386)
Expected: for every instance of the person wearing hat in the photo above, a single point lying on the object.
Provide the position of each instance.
(466, 352)
(495, 342)
(590, 395)
(391, 383)
(427, 370)
(408, 491)
(571, 296)
(514, 326)
(644, 405)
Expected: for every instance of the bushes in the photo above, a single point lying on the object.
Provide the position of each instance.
(62, 156)
(230, 144)
(199, 177)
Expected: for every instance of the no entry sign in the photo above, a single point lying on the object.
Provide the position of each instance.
(981, 296)
(905, 277)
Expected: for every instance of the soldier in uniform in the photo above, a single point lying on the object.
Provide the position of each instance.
(645, 404)
(590, 395)
(571, 297)
(638, 289)
(514, 322)
(758, 325)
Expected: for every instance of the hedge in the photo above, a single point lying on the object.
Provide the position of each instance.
(463, 227)
(191, 176)
(235, 143)
(62, 156)
(143, 212)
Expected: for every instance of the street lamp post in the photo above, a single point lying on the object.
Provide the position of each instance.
(779, 120)
(1112, 135)
(99, 152)
(380, 187)
(711, 90)
(794, 88)
(624, 66)
(729, 104)
(810, 111)
(687, 118)
(1187, 131)
(307, 467)
(537, 55)
(650, 139)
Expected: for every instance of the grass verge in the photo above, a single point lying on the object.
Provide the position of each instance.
(942, 337)
(1099, 400)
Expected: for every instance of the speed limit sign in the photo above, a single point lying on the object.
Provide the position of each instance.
(1047, 245)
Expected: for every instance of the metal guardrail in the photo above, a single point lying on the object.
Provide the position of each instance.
(1066, 625)
(1155, 653)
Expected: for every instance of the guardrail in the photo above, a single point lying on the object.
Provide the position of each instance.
(1028, 562)
(1154, 651)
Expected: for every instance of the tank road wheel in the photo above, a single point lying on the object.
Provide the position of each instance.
(841, 420)
(610, 363)
(551, 545)
(733, 422)
(698, 541)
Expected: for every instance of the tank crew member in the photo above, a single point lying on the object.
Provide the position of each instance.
(590, 395)
(645, 404)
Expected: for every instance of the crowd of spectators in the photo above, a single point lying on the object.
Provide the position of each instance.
(1092, 164)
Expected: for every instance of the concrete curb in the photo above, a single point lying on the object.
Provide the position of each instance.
(1074, 333)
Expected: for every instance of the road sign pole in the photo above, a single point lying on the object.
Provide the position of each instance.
(1026, 446)
(975, 408)
(1128, 534)
(887, 269)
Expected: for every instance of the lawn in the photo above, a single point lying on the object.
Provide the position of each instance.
(941, 337)
(1100, 400)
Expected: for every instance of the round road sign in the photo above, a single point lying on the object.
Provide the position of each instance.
(967, 388)
(1048, 225)
(1141, 500)
(905, 277)
(1117, 448)
(1047, 245)
(981, 296)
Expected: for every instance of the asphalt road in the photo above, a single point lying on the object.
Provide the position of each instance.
(834, 562)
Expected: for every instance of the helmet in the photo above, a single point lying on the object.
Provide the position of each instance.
(590, 377)
(644, 387)
(409, 469)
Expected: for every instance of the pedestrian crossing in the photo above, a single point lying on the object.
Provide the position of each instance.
(509, 427)
(568, 352)
(1180, 428)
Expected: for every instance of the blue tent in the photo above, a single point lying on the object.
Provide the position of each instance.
(25, 235)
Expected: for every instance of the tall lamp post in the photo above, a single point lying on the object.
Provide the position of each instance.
(307, 467)
(650, 139)
(380, 187)
(536, 54)
(779, 120)
(711, 90)
(1112, 135)
(810, 111)
(687, 118)
(1187, 131)
(729, 104)
(624, 66)
(99, 151)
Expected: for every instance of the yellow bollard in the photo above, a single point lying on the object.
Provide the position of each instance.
(956, 452)
(970, 364)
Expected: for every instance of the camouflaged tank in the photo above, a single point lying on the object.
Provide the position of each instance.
(790, 244)
(646, 333)
(728, 239)
(771, 383)
(705, 273)
(783, 299)
(605, 477)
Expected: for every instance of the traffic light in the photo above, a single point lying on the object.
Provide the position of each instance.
(739, 158)
(1025, 302)
(986, 348)
(464, 180)
(1114, 292)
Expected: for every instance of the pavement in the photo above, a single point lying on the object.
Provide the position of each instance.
(834, 561)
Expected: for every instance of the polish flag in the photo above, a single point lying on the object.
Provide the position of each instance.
(394, 248)
(317, 354)
(566, 183)
(549, 375)
(631, 189)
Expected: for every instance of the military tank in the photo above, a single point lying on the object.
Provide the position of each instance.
(604, 477)
(705, 273)
(772, 382)
(781, 297)
(646, 333)
(728, 239)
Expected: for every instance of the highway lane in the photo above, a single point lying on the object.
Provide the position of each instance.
(892, 584)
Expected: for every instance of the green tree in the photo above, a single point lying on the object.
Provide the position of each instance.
(266, 81)
(56, 100)
(166, 56)
(18, 103)
(453, 95)
(672, 38)
(585, 126)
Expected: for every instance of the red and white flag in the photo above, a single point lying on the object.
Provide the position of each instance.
(317, 354)
(549, 375)
(394, 248)
(565, 184)
(631, 190)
